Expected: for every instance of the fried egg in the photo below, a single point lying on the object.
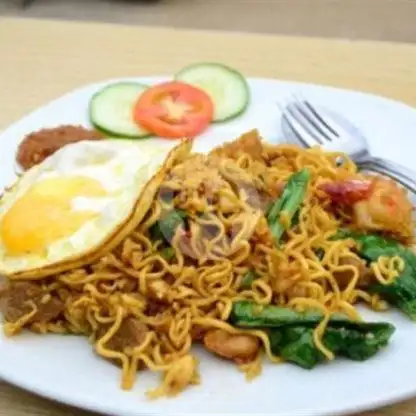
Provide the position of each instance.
(81, 201)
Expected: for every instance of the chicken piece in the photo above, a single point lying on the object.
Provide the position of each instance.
(158, 290)
(249, 142)
(238, 347)
(343, 277)
(177, 377)
(377, 204)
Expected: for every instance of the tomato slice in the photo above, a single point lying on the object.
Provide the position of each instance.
(174, 110)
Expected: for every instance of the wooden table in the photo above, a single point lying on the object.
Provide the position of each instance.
(40, 60)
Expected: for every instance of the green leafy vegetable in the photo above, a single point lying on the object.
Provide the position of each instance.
(295, 344)
(248, 279)
(372, 246)
(402, 291)
(291, 333)
(166, 227)
(168, 253)
(289, 203)
(357, 341)
(247, 314)
(296, 218)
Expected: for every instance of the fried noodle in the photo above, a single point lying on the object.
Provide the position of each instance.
(226, 236)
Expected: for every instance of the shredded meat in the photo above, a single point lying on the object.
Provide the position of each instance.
(16, 302)
(131, 334)
(249, 142)
(37, 146)
(199, 181)
(238, 347)
(198, 333)
(344, 277)
(203, 180)
(155, 307)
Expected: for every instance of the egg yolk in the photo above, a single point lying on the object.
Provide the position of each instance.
(45, 214)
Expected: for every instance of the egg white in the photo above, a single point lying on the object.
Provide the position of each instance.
(122, 167)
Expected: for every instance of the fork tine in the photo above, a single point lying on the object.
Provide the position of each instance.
(289, 123)
(305, 123)
(327, 121)
(303, 107)
(298, 130)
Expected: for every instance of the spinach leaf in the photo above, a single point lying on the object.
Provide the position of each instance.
(289, 203)
(357, 341)
(402, 291)
(165, 228)
(291, 333)
(372, 246)
(295, 344)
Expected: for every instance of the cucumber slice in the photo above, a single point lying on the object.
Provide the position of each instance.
(227, 88)
(111, 109)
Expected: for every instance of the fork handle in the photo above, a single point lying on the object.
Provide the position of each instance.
(401, 174)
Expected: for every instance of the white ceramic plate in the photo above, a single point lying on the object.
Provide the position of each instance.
(65, 368)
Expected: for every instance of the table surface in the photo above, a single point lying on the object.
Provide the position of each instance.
(41, 60)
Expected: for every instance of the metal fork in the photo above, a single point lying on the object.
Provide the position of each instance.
(303, 123)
